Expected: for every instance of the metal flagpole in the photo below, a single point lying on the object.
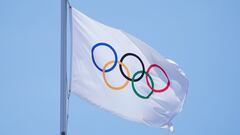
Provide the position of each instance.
(63, 70)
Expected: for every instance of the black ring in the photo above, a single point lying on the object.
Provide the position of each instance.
(143, 67)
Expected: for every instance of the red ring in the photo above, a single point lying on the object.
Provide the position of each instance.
(168, 83)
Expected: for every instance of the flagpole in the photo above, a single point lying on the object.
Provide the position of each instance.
(63, 70)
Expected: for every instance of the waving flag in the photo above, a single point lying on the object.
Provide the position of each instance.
(123, 75)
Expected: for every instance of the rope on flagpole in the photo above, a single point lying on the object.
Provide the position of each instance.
(70, 73)
(69, 4)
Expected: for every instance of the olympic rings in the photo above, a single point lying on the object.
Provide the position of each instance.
(150, 84)
(133, 86)
(143, 67)
(168, 82)
(105, 80)
(114, 52)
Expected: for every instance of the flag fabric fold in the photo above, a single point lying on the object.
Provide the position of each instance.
(123, 75)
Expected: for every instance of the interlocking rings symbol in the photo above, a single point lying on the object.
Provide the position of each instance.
(128, 77)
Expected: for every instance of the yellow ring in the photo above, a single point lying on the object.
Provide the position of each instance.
(105, 80)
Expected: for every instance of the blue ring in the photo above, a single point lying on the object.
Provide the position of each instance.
(114, 52)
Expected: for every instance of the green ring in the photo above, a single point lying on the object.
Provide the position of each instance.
(134, 89)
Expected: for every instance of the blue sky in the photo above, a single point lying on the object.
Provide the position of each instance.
(202, 36)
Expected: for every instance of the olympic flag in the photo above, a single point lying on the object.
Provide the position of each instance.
(123, 75)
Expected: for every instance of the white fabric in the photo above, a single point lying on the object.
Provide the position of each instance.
(88, 83)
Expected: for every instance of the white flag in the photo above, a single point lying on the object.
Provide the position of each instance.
(123, 75)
